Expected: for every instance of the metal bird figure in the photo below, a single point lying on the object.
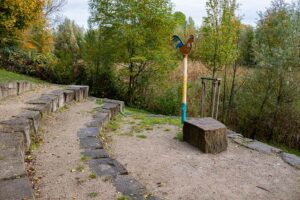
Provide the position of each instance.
(185, 49)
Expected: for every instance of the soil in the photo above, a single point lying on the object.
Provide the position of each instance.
(60, 169)
(14, 105)
(174, 170)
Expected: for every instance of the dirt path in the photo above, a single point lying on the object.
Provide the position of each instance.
(14, 105)
(60, 167)
(174, 170)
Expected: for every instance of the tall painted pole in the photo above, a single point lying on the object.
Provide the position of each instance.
(184, 88)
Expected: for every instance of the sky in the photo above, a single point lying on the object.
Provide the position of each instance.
(78, 10)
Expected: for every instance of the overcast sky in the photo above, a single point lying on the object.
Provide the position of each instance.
(78, 10)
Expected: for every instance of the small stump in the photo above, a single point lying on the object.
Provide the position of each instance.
(207, 134)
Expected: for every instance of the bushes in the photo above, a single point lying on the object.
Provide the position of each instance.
(30, 63)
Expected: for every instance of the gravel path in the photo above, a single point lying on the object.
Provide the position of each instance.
(174, 170)
(61, 170)
(14, 105)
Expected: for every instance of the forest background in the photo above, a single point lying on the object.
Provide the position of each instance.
(127, 54)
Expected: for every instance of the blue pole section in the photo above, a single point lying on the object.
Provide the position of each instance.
(183, 111)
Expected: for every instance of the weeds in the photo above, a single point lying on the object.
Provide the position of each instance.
(93, 194)
(93, 175)
(142, 136)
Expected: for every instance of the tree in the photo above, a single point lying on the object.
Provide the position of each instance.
(275, 84)
(68, 43)
(219, 34)
(17, 15)
(141, 31)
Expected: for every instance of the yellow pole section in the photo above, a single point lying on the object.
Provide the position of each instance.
(184, 88)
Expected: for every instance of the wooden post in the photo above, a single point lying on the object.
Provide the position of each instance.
(184, 88)
(218, 99)
(203, 98)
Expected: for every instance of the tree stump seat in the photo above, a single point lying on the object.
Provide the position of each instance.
(207, 134)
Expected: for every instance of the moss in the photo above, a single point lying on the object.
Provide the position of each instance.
(179, 136)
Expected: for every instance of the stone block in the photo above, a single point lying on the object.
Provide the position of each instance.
(83, 90)
(24, 86)
(18, 125)
(130, 187)
(78, 95)
(43, 109)
(89, 132)
(207, 134)
(114, 108)
(107, 167)
(34, 116)
(53, 99)
(96, 122)
(101, 110)
(103, 117)
(12, 88)
(120, 103)
(291, 159)
(96, 153)
(16, 189)
(90, 143)
(11, 156)
(3, 91)
(61, 97)
(69, 95)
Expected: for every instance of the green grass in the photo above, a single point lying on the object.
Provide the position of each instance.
(93, 194)
(85, 158)
(286, 149)
(6, 76)
(179, 136)
(142, 136)
(1, 157)
(123, 198)
(149, 121)
(93, 175)
(80, 168)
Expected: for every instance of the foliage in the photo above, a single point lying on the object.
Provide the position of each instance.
(16, 16)
(273, 114)
(219, 34)
(140, 31)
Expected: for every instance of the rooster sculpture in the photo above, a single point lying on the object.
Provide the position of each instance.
(185, 49)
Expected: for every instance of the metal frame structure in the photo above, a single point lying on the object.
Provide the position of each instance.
(215, 96)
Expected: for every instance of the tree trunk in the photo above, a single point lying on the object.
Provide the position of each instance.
(224, 95)
(231, 97)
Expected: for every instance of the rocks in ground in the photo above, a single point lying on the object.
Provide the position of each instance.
(107, 167)
(291, 159)
(90, 143)
(88, 132)
(16, 189)
(96, 153)
(207, 134)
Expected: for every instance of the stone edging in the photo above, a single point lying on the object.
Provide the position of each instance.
(100, 162)
(14, 88)
(15, 139)
(291, 159)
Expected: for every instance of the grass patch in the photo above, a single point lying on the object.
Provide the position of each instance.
(150, 120)
(6, 76)
(286, 149)
(115, 123)
(85, 158)
(93, 194)
(1, 157)
(142, 136)
(179, 136)
(99, 101)
(93, 175)
(123, 198)
(80, 168)
(63, 109)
